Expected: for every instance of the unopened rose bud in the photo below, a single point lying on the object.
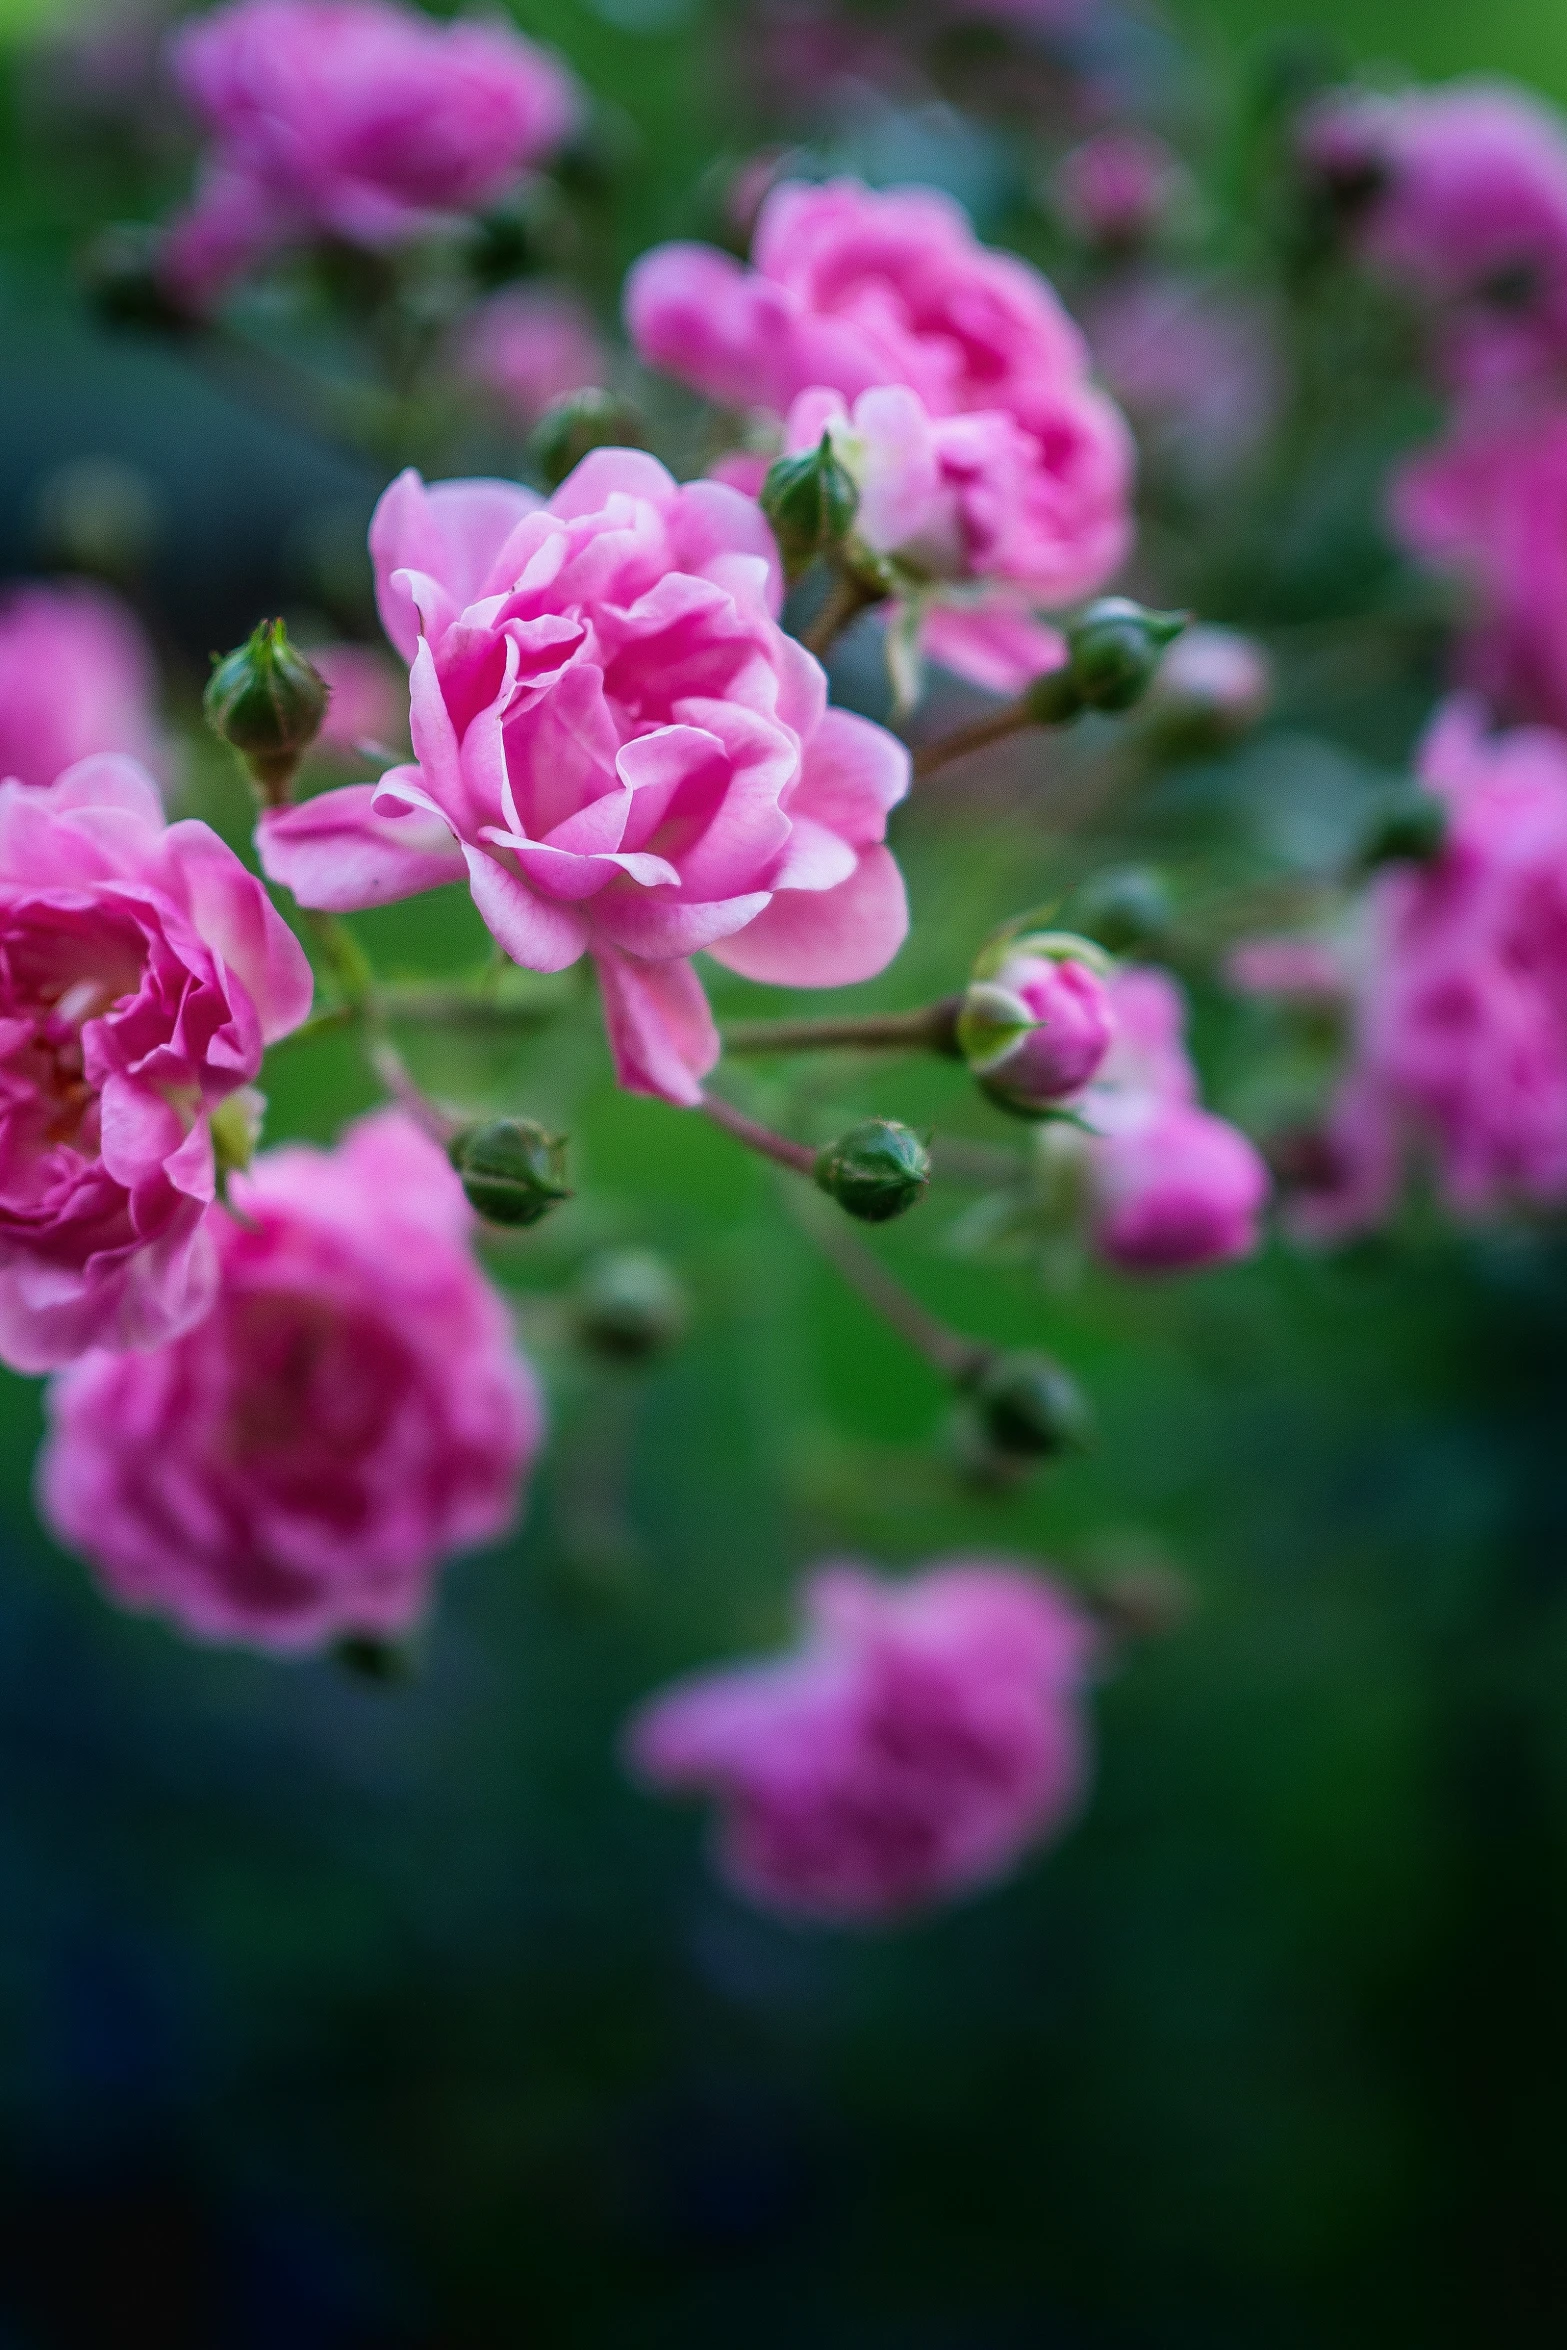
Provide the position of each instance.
(268, 702)
(512, 1171)
(630, 1305)
(878, 1170)
(811, 502)
(1037, 1025)
(1409, 827)
(578, 423)
(1027, 1405)
(1211, 688)
(1125, 908)
(1114, 649)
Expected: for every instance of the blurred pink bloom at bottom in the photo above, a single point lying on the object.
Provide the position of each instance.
(924, 1736)
(76, 677)
(530, 348)
(351, 1411)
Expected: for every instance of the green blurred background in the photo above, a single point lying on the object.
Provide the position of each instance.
(350, 2014)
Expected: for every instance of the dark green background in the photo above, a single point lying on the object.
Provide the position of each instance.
(343, 2014)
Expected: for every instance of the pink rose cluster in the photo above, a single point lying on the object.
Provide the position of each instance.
(998, 464)
(1170, 1185)
(1460, 1047)
(619, 749)
(76, 676)
(143, 972)
(922, 1739)
(351, 1410)
(354, 119)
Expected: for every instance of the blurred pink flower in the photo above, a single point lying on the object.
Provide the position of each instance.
(922, 1739)
(368, 710)
(355, 119)
(76, 676)
(1194, 363)
(1307, 970)
(1460, 193)
(1171, 1186)
(531, 347)
(851, 291)
(350, 1412)
(1461, 1028)
(1212, 680)
(1491, 503)
(142, 973)
(620, 750)
(1118, 187)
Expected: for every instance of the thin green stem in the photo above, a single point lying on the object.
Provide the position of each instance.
(846, 599)
(931, 1029)
(956, 1356)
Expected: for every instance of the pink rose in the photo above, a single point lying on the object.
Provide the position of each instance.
(350, 1412)
(1171, 1186)
(619, 749)
(1461, 194)
(922, 1739)
(529, 348)
(1461, 1025)
(76, 676)
(353, 119)
(1491, 502)
(850, 291)
(143, 973)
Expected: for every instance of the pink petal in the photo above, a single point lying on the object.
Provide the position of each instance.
(660, 1030)
(999, 648)
(233, 913)
(825, 938)
(662, 927)
(855, 771)
(607, 473)
(335, 853)
(451, 531)
(538, 935)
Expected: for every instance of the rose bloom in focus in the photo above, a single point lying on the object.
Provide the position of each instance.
(350, 1413)
(352, 119)
(922, 1739)
(76, 676)
(143, 972)
(850, 290)
(620, 751)
(1461, 1012)
(529, 348)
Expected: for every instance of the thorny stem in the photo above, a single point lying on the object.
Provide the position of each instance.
(932, 1028)
(797, 1156)
(1016, 718)
(948, 1351)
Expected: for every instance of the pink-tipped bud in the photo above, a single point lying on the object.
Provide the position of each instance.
(1036, 1024)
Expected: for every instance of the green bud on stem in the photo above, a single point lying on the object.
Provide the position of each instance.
(512, 1171)
(1029, 1406)
(811, 502)
(1113, 651)
(572, 427)
(629, 1305)
(267, 702)
(878, 1170)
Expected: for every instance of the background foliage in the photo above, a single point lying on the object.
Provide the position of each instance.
(349, 2014)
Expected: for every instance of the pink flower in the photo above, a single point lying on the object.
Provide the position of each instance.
(1303, 970)
(350, 1412)
(1461, 194)
(1491, 502)
(1037, 1027)
(142, 973)
(368, 711)
(1213, 682)
(76, 676)
(850, 291)
(1118, 187)
(529, 348)
(1461, 1029)
(1195, 364)
(354, 119)
(922, 1739)
(1171, 1186)
(619, 749)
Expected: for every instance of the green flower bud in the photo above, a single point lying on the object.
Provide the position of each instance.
(811, 502)
(630, 1305)
(1410, 826)
(1126, 908)
(268, 702)
(1028, 1405)
(1054, 699)
(992, 1022)
(878, 1170)
(1114, 649)
(512, 1171)
(572, 427)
